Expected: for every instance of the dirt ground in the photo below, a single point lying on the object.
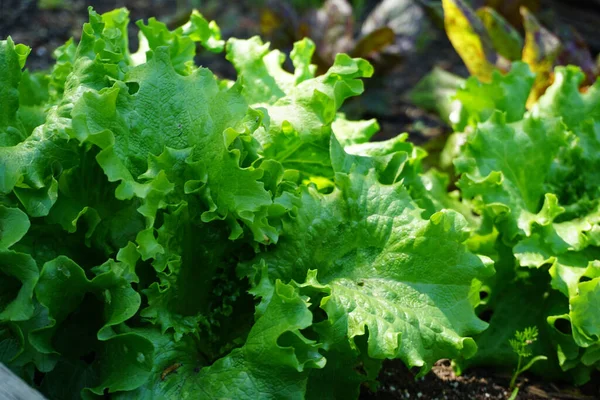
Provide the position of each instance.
(397, 382)
(385, 99)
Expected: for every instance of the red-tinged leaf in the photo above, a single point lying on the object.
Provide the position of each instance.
(470, 38)
(332, 29)
(576, 52)
(540, 51)
(509, 9)
(506, 39)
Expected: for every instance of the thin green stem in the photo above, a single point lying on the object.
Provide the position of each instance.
(516, 374)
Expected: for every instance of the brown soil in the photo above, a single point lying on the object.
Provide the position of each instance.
(397, 382)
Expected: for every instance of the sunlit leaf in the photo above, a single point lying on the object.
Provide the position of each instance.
(540, 51)
(470, 38)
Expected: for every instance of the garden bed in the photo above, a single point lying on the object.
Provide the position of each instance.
(44, 30)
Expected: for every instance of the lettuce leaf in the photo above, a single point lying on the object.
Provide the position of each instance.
(532, 177)
(168, 234)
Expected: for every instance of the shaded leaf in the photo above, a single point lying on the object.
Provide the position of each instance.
(374, 42)
(575, 51)
(407, 20)
(435, 92)
(332, 29)
(506, 39)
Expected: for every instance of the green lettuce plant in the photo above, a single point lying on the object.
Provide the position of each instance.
(168, 234)
(532, 177)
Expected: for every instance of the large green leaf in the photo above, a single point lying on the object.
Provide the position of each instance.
(492, 165)
(300, 107)
(403, 279)
(184, 300)
(181, 42)
(19, 275)
(534, 181)
(214, 119)
(507, 93)
(144, 202)
(273, 363)
(12, 59)
(83, 316)
(18, 271)
(514, 301)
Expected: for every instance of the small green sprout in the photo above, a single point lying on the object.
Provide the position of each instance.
(520, 344)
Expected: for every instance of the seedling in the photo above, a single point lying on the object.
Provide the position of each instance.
(520, 344)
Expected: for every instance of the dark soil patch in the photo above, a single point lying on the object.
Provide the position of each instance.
(397, 382)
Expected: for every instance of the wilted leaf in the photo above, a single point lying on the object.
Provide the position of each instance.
(539, 52)
(576, 52)
(406, 18)
(470, 38)
(374, 42)
(509, 9)
(506, 39)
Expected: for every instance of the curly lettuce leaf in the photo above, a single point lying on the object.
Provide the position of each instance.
(273, 363)
(492, 170)
(19, 274)
(12, 60)
(183, 299)
(33, 99)
(30, 166)
(534, 181)
(514, 301)
(349, 132)
(181, 42)
(214, 119)
(573, 178)
(300, 107)
(145, 202)
(507, 93)
(83, 316)
(14, 224)
(373, 251)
